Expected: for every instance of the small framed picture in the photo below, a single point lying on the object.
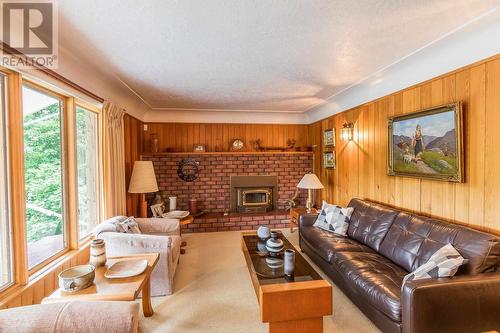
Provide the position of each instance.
(329, 161)
(329, 137)
(199, 148)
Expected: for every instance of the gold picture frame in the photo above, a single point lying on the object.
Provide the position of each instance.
(329, 160)
(329, 137)
(427, 144)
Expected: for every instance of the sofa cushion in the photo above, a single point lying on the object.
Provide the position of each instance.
(374, 278)
(413, 239)
(370, 222)
(444, 263)
(336, 219)
(325, 243)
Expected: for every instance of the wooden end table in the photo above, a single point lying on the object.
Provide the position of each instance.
(185, 221)
(295, 214)
(124, 289)
(295, 304)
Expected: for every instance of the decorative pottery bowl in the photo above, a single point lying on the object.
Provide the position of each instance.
(77, 278)
(274, 245)
(263, 232)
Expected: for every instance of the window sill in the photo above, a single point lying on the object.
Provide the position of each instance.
(16, 291)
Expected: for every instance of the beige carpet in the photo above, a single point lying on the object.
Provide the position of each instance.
(213, 293)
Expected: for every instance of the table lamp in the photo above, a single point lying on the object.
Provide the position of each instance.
(310, 182)
(143, 181)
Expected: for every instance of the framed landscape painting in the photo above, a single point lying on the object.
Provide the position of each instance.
(329, 161)
(329, 137)
(427, 144)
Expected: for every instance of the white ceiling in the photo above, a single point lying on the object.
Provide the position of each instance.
(271, 56)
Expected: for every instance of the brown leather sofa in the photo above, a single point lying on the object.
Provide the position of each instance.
(385, 244)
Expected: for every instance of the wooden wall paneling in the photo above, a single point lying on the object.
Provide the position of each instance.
(477, 145)
(337, 194)
(38, 291)
(362, 164)
(353, 158)
(362, 148)
(133, 129)
(462, 93)
(492, 155)
(370, 138)
(218, 137)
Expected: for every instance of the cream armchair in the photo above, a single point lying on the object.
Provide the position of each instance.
(157, 235)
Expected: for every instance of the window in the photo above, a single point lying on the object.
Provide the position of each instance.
(5, 245)
(43, 165)
(87, 131)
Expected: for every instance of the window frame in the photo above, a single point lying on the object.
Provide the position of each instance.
(65, 173)
(21, 275)
(4, 128)
(100, 171)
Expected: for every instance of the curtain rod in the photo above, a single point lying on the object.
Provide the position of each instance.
(15, 53)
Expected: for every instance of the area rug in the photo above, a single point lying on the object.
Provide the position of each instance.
(213, 293)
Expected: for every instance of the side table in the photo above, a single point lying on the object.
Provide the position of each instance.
(123, 289)
(295, 214)
(185, 221)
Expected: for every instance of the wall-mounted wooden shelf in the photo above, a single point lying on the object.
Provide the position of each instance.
(230, 153)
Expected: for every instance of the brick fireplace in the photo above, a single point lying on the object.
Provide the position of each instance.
(213, 186)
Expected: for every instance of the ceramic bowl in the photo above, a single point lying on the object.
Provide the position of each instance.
(77, 278)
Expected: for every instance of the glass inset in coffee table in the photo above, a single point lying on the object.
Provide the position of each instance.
(294, 304)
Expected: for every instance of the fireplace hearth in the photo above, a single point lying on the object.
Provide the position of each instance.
(253, 194)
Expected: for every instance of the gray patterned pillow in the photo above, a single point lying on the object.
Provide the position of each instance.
(334, 218)
(443, 263)
(130, 226)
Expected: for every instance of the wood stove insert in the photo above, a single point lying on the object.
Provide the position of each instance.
(253, 194)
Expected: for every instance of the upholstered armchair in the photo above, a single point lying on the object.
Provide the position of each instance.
(157, 235)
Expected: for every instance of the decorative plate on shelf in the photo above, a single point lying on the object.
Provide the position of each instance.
(176, 214)
(126, 268)
(237, 144)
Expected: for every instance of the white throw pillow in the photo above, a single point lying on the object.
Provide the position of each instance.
(130, 226)
(334, 218)
(443, 263)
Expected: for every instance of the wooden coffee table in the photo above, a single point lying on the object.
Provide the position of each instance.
(124, 289)
(291, 305)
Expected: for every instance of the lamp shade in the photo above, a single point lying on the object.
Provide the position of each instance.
(310, 181)
(143, 178)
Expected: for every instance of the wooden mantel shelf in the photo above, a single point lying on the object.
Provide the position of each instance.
(230, 153)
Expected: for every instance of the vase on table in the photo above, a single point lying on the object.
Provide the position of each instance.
(274, 244)
(263, 232)
(97, 253)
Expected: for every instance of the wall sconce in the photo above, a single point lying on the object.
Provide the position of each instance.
(347, 130)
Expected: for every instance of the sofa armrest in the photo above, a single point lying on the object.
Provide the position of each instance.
(123, 244)
(469, 303)
(307, 220)
(158, 225)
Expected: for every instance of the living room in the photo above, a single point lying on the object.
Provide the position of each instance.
(287, 166)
